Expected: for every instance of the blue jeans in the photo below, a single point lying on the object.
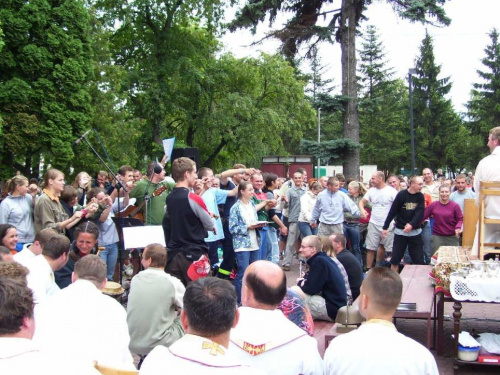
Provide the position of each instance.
(351, 232)
(426, 238)
(264, 244)
(110, 255)
(244, 259)
(273, 252)
(306, 230)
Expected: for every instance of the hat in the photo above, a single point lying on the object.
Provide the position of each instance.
(112, 289)
(199, 268)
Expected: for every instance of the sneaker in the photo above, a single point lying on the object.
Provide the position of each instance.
(286, 267)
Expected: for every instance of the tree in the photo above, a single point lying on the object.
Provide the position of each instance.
(46, 64)
(383, 108)
(303, 28)
(484, 105)
(436, 123)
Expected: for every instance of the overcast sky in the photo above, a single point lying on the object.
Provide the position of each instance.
(458, 48)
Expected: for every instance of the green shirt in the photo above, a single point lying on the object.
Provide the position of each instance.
(156, 205)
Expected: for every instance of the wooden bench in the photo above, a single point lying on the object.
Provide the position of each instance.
(416, 289)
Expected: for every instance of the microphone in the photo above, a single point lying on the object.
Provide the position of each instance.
(82, 137)
(157, 167)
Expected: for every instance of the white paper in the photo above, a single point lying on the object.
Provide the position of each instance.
(142, 236)
(168, 146)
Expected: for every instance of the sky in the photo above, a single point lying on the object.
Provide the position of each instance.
(458, 48)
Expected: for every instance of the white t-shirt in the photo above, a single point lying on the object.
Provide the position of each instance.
(381, 200)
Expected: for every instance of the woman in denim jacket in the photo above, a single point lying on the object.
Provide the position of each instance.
(243, 223)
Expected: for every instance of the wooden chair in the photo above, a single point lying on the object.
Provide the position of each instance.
(487, 189)
(105, 370)
(470, 222)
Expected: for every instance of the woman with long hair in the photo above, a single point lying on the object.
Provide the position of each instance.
(83, 184)
(86, 235)
(242, 225)
(17, 210)
(356, 191)
(48, 210)
(8, 237)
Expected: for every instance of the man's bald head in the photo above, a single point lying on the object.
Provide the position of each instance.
(266, 282)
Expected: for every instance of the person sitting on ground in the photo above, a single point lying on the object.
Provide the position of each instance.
(8, 237)
(264, 336)
(14, 270)
(208, 315)
(41, 279)
(327, 248)
(80, 324)
(36, 248)
(163, 326)
(349, 262)
(322, 287)
(85, 243)
(18, 354)
(364, 350)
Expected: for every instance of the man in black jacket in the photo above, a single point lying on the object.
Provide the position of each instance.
(350, 263)
(408, 209)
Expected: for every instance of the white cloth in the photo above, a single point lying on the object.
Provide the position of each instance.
(432, 190)
(83, 325)
(19, 356)
(271, 342)
(476, 287)
(307, 202)
(41, 279)
(378, 348)
(194, 355)
(24, 256)
(381, 200)
(488, 170)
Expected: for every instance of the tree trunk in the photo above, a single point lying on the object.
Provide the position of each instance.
(349, 87)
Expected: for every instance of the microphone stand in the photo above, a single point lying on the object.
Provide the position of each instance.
(118, 187)
(147, 198)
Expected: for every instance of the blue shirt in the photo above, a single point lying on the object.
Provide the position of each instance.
(212, 197)
(330, 207)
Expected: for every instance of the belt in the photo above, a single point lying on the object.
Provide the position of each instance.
(351, 223)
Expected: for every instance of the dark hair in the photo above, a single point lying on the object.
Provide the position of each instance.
(87, 227)
(340, 177)
(384, 288)
(210, 306)
(4, 228)
(263, 292)
(203, 172)
(301, 170)
(157, 253)
(270, 178)
(124, 169)
(16, 303)
(91, 268)
(3, 251)
(94, 191)
(242, 186)
(332, 181)
(69, 193)
(57, 246)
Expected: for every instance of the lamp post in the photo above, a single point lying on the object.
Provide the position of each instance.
(319, 141)
(412, 131)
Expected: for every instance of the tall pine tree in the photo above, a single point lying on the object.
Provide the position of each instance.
(383, 108)
(437, 126)
(484, 105)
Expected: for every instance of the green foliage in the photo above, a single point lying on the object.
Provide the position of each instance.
(383, 108)
(46, 66)
(484, 105)
(331, 151)
(437, 126)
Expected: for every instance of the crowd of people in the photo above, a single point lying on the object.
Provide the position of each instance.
(216, 294)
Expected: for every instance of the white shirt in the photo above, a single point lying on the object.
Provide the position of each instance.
(19, 356)
(41, 279)
(381, 200)
(24, 256)
(83, 325)
(193, 355)
(365, 351)
(271, 342)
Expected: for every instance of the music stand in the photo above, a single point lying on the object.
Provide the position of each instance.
(120, 223)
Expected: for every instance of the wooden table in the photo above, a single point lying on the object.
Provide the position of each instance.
(418, 289)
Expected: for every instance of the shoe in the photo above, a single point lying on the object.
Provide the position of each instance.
(286, 267)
